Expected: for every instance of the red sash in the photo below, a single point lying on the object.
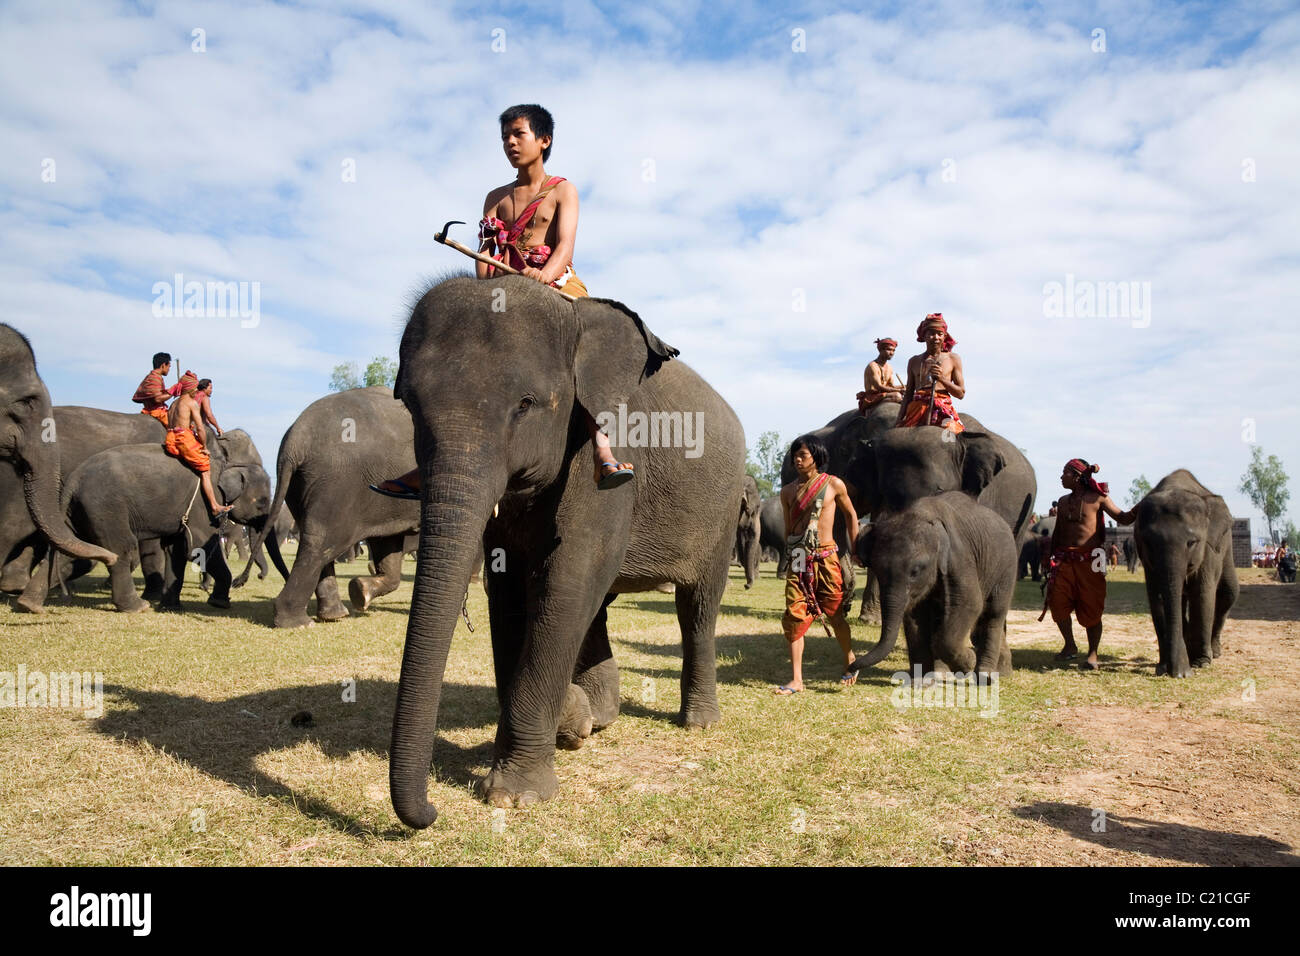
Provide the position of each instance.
(805, 502)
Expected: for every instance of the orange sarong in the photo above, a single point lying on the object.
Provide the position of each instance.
(159, 413)
(828, 592)
(944, 415)
(181, 443)
(1076, 587)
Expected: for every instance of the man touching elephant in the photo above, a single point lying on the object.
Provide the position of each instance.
(813, 585)
(1077, 579)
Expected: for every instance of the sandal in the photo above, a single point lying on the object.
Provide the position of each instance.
(407, 493)
(849, 678)
(785, 690)
(621, 475)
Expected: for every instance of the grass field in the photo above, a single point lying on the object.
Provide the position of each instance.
(197, 759)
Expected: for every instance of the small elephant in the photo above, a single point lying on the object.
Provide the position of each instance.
(772, 530)
(1184, 538)
(947, 571)
(132, 492)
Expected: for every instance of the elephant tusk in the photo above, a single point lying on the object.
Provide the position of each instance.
(496, 508)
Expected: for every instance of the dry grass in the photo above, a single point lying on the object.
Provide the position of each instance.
(198, 718)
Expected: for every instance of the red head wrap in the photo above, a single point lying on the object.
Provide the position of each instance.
(189, 382)
(881, 343)
(1086, 471)
(935, 321)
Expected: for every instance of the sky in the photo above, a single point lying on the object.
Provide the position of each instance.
(770, 186)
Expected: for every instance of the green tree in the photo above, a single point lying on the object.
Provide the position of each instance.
(1264, 483)
(1289, 534)
(344, 377)
(764, 463)
(1138, 490)
(381, 371)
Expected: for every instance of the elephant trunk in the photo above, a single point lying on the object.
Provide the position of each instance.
(1171, 600)
(41, 492)
(457, 502)
(893, 607)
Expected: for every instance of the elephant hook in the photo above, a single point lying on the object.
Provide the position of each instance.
(485, 259)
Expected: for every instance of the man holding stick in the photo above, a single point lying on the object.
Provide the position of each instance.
(934, 379)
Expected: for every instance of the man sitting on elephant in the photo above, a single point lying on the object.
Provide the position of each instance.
(204, 397)
(153, 393)
(186, 439)
(1077, 579)
(535, 206)
(878, 378)
(934, 379)
(814, 585)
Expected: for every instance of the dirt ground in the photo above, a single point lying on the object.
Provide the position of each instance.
(1179, 787)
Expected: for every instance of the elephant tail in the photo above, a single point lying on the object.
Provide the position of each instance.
(284, 468)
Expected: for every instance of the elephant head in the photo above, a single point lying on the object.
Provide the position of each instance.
(29, 441)
(239, 477)
(910, 555)
(498, 376)
(891, 471)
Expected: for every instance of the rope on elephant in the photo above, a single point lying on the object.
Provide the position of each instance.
(464, 610)
(185, 519)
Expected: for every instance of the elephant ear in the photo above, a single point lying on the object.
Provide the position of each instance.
(231, 484)
(981, 460)
(860, 475)
(944, 559)
(614, 355)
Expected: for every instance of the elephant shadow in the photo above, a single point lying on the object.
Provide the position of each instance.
(1164, 841)
(224, 738)
(753, 659)
(1042, 660)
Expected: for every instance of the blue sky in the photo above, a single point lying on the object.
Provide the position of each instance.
(908, 158)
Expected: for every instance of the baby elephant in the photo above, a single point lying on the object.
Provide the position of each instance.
(947, 570)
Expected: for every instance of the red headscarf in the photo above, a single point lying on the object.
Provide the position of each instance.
(881, 343)
(935, 321)
(1086, 471)
(189, 382)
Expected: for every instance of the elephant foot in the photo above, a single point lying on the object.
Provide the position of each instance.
(332, 614)
(1164, 670)
(139, 607)
(30, 607)
(869, 615)
(223, 603)
(170, 607)
(1202, 662)
(699, 716)
(575, 719)
(153, 594)
(291, 622)
(503, 788)
(1216, 651)
(359, 594)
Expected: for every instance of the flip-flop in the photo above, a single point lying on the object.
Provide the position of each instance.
(406, 494)
(849, 678)
(1088, 667)
(1062, 657)
(621, 475)
(785, 690)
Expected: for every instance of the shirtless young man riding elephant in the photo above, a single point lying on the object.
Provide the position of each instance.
(531, 225)
(934, 379)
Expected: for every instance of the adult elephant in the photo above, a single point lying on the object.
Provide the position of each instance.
(131, 492)
(30, 450)
(749, 531)
(510, 461)
(1184, 538)
(338, 446)
(77, 433)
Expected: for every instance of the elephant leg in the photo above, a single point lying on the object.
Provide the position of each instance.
(596, 675)
(1200, 613)
(32, 598)
(304, 576)
(1156, 603)
(153, 566)
(952, 639)
(178, 548)
(1225, 596)
(870, 612)
(697, 615)
(328, 605)
(259, 559)
(990, 640)
(523, 762)
(17, 572)
(386, 552)
(219, 571)
(915, 628)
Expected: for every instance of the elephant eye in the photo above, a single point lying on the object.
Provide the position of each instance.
(526, 403)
